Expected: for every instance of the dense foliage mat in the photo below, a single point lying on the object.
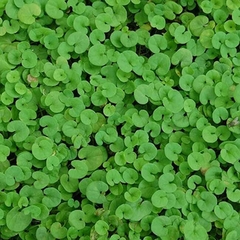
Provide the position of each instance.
(119, 119)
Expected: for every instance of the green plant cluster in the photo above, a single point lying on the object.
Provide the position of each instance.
(119, 119)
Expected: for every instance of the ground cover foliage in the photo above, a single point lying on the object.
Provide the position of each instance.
(119, 119)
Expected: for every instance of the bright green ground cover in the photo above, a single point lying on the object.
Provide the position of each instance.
(119, 119)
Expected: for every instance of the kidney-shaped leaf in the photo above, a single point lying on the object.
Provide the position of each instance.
(197, 25)
(17, 221)
(42, 148)
(172, 150)
(230, 153)
(148, 150)
(94, 156)
(52, 197)
(79, 40)
(183, 56)
(20, 128)
(173, 101)
(27, 12)
(160, 62)
(127, 60)
(95, 192)
(54, 8)
(80, 169)
(75, 219)
(97, 55)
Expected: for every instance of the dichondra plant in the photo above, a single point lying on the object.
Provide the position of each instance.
(119, 119)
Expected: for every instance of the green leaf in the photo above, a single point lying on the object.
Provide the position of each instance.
(124, 211)
(161, 199)
(96, 36)
(206, 38)
(207, 201)
(196, 161)
(29, 59)
(172, 151)
(80, 23)
(129, 39)
(98, 99)
(156, 43)
(233, 195)
(236, 93)
(220, 114)
(185, 82)
(231, 40)
(220, 16)
(4, 152)
(52, 162)
(173, 101)
(20, 128)
(193, 230)
(80, 41)
(109, 89)
(93, 155)
(113, 177)
(76, 219)
(232, 235)
(68, 183)
(183, 56)
(96, 52)
(198, 24)
(148, 150)
(51, 41)
(160, 62)
(58, 231)
(140, 94)
(52, 197)
(140, 118)
(209, 134)
(27, 13)
(42, 148)
(149, 171)
(42, 179)
(230, 26)
(59, 74)
(130, 175)
(189, 105)
(230, 153)
(181, 35)
(50, 125)
(54, 9)
(218, 39)
(158, 22)
(17, 221)
(88, 117)
(236, 16)
(223, 210)
(13, 174)
(95, 192)
(80, 169)
(70, 128)
(132, 195)
(233, 4)
(103, 22)
(159, 226)
(127, 60)
(206, 6)
(153, 128)
(14, 57)
(166, 183)
(101, 227)
(52, 100)
(216, 186)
